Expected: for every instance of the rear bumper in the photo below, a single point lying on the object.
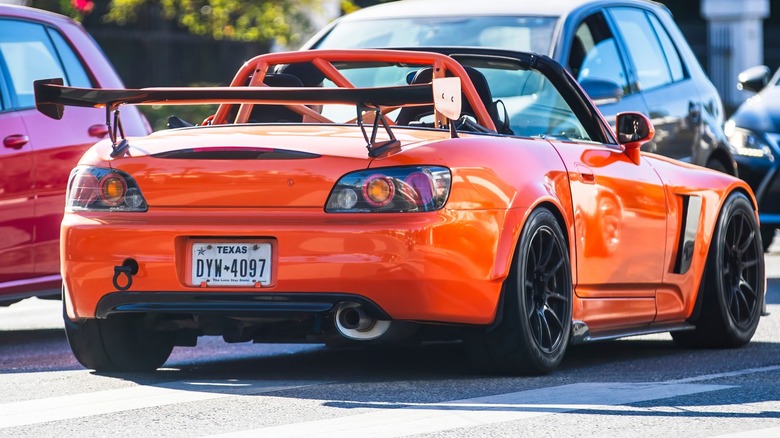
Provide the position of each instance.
(444, 266)
(235, 305)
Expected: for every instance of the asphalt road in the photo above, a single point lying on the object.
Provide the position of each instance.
(644, 386)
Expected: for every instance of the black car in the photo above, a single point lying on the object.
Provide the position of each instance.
(754, 132)
(628, 55)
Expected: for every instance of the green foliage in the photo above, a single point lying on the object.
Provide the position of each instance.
(285, 21)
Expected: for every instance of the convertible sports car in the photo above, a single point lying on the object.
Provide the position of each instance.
(368, 196)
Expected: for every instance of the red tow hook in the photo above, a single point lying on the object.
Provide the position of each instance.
(128, 268)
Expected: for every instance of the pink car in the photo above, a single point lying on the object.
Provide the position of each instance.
(38, 153)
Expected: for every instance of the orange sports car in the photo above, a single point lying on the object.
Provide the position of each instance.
(368, 196)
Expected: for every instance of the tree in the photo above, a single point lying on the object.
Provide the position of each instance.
(282, 20)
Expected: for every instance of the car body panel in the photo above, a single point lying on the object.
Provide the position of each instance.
(51, 149)
(17, 203)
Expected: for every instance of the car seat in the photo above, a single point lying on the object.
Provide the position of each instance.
(276, 113)
(408, 115)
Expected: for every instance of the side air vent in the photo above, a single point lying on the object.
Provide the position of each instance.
(687, 240)
(235, 153)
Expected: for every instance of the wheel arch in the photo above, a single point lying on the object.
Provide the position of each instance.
(513, 228)
(509, 243)
(724, 158)
(698, 290)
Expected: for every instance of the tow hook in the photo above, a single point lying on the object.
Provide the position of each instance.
(129, 268)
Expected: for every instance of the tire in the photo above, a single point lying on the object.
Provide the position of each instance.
(767, 236)
(117, 344)
(534, 325)
(732, 289)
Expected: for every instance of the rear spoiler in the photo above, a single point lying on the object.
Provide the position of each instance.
(51, 96)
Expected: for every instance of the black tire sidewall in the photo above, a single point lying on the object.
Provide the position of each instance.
(117, 344)
(528, 357)
(734, 334)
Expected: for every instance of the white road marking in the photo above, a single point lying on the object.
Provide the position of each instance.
(374, 419)
(771, 432)
(388, 420)
(137, 397)
(727, 374)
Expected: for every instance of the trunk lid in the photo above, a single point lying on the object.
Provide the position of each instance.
(248, 165)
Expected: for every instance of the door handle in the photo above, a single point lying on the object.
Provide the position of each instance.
(585, 173)
(15, 141)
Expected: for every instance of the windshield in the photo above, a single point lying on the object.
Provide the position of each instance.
(527, 34)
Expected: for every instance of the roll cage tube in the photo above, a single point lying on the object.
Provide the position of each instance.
(253, 72)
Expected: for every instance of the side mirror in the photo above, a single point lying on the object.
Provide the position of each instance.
(753, 79)
(602, 91)
(633, 130)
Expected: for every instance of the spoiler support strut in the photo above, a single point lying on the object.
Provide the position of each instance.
(375, 149)
(121, 147)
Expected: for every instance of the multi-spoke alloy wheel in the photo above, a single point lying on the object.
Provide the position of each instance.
(732, 291)
(535, 323)
(546, 283)
(740, 267)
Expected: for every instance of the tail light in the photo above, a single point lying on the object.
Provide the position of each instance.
(397, 190)
(100, 189)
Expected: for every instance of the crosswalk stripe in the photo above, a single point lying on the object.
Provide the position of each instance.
(374, 419)
(386, 420)
(771, 432)
(137, 397)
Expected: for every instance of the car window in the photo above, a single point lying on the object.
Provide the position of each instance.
(3, 93)
(30, 54)
(74, 69)
(504, 32)
(643, 47)
(594, 53)
(534, 105)
(673, 59)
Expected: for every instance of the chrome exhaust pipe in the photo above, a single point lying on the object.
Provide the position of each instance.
(353, 322)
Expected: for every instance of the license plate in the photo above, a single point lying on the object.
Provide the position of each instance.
(231, 264)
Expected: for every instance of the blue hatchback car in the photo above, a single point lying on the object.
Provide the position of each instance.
(628, 55)
(754, 132)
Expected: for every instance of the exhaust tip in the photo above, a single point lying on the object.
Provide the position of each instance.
(353, 322)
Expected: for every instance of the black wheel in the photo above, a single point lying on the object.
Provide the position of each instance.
(767, 236)
(535, 322)
(117, 344)
(732, 289)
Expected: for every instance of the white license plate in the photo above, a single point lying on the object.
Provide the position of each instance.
(231, 264)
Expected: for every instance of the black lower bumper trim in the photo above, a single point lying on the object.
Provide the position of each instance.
(229, 304)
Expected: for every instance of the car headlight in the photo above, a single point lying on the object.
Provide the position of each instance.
(100, 189)
(747, 143)
(397, 189)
